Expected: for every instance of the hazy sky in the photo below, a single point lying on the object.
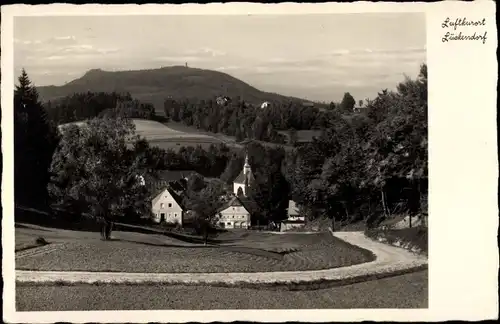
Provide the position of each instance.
(318, 57)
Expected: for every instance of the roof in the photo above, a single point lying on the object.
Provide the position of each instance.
(241, 177)
(234, 202)
(177, 198)
(178, 186)
(249, 204)
(292, 208)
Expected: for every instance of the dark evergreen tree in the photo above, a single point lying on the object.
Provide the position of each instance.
(35, 139)
(348, 102)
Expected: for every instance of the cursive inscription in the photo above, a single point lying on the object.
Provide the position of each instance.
(456, 24)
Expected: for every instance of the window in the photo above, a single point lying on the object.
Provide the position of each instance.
(162, 205)
(228, 223)
(169, 205)
(175, 215)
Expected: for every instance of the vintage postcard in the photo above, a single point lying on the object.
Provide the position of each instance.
(249, 162)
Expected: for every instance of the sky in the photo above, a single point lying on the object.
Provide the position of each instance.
(313, 56)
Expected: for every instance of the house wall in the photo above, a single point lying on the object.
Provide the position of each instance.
(234, 217)
(288, 226)
(296, 218)
(166, 205)
(236, 186)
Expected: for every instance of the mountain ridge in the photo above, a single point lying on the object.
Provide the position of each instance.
(155, 85)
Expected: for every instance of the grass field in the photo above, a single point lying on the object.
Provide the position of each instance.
(226, 139)
(241, 251)
(405, 291)
(165, 137)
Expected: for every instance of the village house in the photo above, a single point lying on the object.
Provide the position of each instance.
(294, 219)
(167, 207)
(168, 188)
(244, 180)
(233, 214)
(358, 109)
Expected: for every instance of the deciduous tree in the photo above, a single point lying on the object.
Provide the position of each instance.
(95, 172)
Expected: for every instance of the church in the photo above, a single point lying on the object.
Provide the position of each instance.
(244, 180)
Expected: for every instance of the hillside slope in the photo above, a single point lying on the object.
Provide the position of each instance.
(157, 84)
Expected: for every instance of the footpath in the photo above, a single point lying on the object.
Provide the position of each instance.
(389, 261)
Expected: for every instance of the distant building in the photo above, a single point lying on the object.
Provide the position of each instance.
(294, 219)
(265, 104)
(308, 104)
(223, 100)
(358, 109)
(233, 214)
(244, 180)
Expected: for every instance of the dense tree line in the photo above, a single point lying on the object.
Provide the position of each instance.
(367, 165)
(242, 120)
(211, 162)
(87, 105)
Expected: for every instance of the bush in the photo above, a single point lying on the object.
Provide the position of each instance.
(41, 241)
(410, 238)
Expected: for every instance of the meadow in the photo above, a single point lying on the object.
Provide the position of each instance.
(165, 137)
(236, 251)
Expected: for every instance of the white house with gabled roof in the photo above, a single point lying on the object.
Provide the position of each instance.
(167, 207)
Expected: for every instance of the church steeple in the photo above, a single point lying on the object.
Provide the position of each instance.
(246, 167)
(244, 180)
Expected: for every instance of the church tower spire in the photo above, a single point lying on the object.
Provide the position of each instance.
(246, 167)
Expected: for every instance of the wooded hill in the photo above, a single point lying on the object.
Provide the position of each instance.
(155, 85)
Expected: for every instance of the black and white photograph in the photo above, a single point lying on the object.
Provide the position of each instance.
(220, 161)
